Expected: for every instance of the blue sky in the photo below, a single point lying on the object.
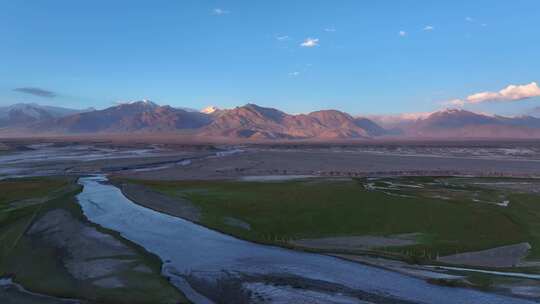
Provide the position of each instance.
(365, 57)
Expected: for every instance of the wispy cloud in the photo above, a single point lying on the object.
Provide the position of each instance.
(474, 21)
(510, 93)
(219, 11)
(283, 38)
(294, 74)
(330, 29)
(402, 33)
(36, 92)
(428, 28)
(310, 42)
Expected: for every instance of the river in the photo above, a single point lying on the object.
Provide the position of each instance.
(193, 251)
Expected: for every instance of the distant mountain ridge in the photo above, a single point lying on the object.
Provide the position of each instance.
(254, 122)
(129, 117)
(465, 124)
(21, 114)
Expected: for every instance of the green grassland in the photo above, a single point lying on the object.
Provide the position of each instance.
(38, 266)
(451, 215)
(14, 217)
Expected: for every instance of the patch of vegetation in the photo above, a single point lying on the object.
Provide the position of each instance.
(18, 189)
(15, 217)
(39, 267)
(524, 210)
(280, 211)
(449, 282)
(481, 280)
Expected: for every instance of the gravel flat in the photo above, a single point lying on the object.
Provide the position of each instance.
(504, 256)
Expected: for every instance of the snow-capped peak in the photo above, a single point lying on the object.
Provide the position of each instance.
(143, 102)
(451, 111)
(209, 110)
(147, 102)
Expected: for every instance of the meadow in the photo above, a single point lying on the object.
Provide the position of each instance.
(446, 215)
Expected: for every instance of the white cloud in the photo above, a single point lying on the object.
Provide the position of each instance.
(510, 93)
(310, 42)
(402, 33)
(330, 29)
(219, 11)
(294, 74)
(283, 38)
(477, 22)
(456, 102)
(429, 28)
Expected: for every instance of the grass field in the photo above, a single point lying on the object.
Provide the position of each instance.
(16, 216)
(39, 267)
(451, 215)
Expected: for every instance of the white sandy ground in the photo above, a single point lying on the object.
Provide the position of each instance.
(504, 256)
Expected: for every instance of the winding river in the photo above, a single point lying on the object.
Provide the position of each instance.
(190, 249)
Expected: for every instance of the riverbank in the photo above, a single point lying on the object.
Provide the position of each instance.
(421, 218)
(145, 197)
(44, 232)
(393, 249)
(195, 253)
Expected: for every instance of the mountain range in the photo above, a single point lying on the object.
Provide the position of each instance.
(261, 123)
(23, 114)
(129, 117)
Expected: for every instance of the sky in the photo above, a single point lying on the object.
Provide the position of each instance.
(362, 57)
